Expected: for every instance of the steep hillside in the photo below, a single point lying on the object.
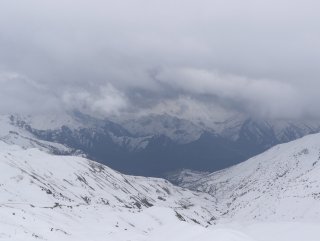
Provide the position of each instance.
(51, 197)
(274, 196)
(281, 184)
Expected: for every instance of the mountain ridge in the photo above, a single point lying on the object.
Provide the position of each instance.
(280, 184)
(39, 189)
(154, 145)
(74, 198)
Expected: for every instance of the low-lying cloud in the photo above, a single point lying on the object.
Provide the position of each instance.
(260, 97)
(120, 57)
(107, 102)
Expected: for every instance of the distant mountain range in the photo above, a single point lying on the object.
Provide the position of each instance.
(156, 144)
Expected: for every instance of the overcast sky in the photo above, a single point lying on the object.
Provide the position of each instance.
(112, 57)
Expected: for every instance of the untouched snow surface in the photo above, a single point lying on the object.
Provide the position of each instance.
(282, 184)
(272, 197)
(47, 197)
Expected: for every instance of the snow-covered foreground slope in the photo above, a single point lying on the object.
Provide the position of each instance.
(51, 197)
(68, 198)
(282, 184)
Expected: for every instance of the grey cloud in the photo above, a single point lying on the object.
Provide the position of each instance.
(259, 96)
(109, 57)
(20, 94)
(108, 101)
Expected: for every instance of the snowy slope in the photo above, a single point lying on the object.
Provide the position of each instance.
(11, 133)
(69, 198)
(49, 197)
(185, 177)
(282, 184)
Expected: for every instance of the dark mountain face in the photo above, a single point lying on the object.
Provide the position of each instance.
(153, 155)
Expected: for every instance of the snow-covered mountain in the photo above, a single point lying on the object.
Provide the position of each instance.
(50, 197)
(180, 131)
(56, 197)
(155, 144)
(283, 184)
(12, 133)
(185, 177)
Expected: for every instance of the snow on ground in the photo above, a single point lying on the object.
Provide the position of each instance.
(47, 197)
(69, 198)
(282, 184)
(13, 134)
(154, 224)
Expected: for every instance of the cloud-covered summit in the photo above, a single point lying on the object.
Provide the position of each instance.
(113, 57)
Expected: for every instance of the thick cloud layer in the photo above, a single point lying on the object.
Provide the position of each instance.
(118, 57)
